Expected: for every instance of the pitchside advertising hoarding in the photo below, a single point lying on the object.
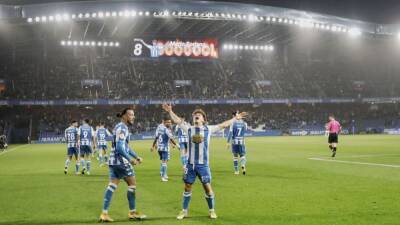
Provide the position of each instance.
(181, 48)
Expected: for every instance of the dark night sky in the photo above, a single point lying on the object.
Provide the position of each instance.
(378, 11)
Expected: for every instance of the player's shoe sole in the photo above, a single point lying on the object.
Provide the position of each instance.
(182, 214)
(136, 216)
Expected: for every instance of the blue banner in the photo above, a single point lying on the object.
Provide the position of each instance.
(258, 101)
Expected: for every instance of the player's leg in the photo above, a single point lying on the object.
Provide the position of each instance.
(235, 159)
(205, 175)
(189, 177)
(76, 155)
(100, 152)
(88, 162)
(111, 187)
(105, 156)
(330, 142)
(82, 158)
(67, 162)
(242, 154)
(131, 195)
(334, 148)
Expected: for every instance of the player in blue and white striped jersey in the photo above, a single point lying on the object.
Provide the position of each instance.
(122, 157)
(72, 138)
(198, 163)
(161, 142)
(102, 134)
(236, 140)
(86, 140)
(183, 143)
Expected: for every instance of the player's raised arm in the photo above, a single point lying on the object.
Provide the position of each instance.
(229, 122)
(168, 108)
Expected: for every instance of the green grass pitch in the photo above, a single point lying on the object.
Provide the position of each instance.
(283, 185)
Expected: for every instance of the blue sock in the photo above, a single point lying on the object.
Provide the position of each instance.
(77, 167)
(131, 195)
(236, 164)
(107, 196)
(88, 165)
(163, 169)
(67, 163)
(243, 161)
(82, 163)
(186, 199)
(210, 200)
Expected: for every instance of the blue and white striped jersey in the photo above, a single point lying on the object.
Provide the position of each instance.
(101, 136)
(199, 142)
(71, 136)
(86, 134)
(120, 133)
(182, 135)
(163, 135)
(236, 132)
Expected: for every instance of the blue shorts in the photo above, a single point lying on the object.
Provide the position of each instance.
(164, 155)
(201, 171)
(72, 151)
(238, 150)
(86, 150)
(183, 146)
(102, 147)
(121, 171)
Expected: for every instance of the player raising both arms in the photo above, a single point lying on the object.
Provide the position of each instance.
(86, 140)
(162, 138)
(72, 139)
(198, 162)
(122, 157)
(236, 137)
(334, 128)
(102, 134)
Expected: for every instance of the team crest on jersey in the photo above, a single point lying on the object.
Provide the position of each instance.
(197, 138)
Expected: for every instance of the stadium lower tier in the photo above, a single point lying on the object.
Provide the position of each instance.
(26, 123)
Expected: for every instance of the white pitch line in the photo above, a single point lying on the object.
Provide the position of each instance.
(367, 156)
(10, 150)
(357, 163)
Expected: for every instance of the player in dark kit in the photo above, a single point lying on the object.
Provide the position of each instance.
(334, 128)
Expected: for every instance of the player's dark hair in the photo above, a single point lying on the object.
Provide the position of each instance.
(102, 123)
(124, 111)
(166, 117)
(201, 112)
(74, 121)
(87, 120)
(234, 113)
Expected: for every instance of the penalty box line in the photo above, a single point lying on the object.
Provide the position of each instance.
(354, 162)
(12, 149)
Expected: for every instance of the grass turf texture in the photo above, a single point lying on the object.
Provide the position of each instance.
(282, 186)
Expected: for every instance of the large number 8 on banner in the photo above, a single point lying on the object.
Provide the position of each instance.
(138, 49)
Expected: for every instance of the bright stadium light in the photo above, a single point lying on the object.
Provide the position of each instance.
(65, 17)
(140, 13)
(51, 18)
(63, 43)
(73, 16)
(240, 47)
(80, 15)
(147, 13)
(74, 43)
(116, 44)
(69, 42)
(127, 13)
(398, 35)
(236, 47)
(87, 43)
(355, 32)
(107, 14)
(81, 43)
(114, 14)
(30, 20)
(37, 19)
(87, 15)
(100, 14)
(120, 13)
(44, 19)
(273, 19)
(93, 43)
(105, 44)
(271, 48)
(256, 47)
(246, 47)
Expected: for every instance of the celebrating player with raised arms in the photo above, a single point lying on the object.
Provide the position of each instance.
(236, 140)
(334, 128)
(122, 157)
(162, 138)
(198, 162)
(183, 143)
(86, 140)
(102, 134)
(72, 140)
